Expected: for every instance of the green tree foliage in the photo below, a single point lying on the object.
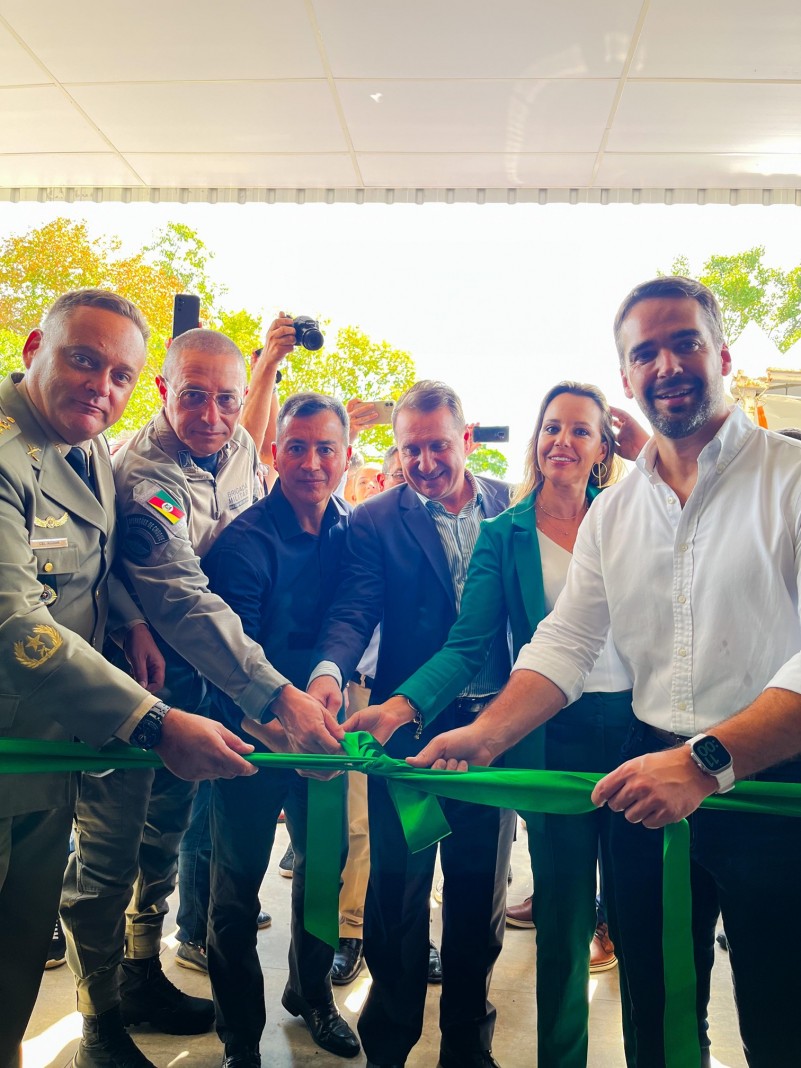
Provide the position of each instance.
(37, 266)
(748, 289)
(355, 367)
(487, 461)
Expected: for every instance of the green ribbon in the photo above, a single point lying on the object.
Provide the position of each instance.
(414, 794)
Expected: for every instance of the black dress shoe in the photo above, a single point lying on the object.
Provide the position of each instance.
(348, 961)
(480, 1058)
(241, 1056)
(328, 1029)
(434, 964)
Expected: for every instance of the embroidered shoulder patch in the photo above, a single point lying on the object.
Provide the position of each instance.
(38, 647)
(166, 505)
(143, 535)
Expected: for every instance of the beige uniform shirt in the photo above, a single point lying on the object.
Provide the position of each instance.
(57, 541)
(170, 511)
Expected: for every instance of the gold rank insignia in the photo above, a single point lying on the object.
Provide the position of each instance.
(50, 522)
(32, 450)
(38, 647)
(6, 423)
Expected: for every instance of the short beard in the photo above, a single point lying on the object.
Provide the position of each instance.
(684, 426)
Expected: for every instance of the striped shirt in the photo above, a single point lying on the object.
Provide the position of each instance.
(458, 534)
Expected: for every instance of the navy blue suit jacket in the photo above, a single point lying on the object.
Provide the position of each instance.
(395, 573)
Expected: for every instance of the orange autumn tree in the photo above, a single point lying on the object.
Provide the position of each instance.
(35, 267)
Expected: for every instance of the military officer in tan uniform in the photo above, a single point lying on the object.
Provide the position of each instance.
(57, 535)
(180, 481)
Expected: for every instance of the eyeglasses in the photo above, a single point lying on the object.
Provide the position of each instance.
(192, 400)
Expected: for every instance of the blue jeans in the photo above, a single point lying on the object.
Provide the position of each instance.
(194, 860)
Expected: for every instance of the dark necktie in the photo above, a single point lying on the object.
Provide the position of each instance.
(79, 462)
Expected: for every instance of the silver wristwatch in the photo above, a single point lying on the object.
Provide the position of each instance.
(147, 732)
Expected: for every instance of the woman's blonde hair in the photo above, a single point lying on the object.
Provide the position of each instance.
(613, 465)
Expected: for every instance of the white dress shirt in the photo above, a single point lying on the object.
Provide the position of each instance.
(608, 675)
(702, 600)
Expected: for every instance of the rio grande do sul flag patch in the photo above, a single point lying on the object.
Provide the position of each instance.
(164, 503)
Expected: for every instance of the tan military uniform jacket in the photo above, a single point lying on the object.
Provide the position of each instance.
(56, 546)
(170, 511)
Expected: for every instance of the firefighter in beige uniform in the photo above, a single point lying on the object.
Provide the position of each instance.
(180, 480)
(58, 537)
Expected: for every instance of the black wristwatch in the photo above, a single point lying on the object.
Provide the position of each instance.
(713, 758)
(147, 733)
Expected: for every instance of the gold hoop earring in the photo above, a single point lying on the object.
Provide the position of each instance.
(600, 472)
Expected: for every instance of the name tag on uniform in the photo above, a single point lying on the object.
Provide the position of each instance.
(49, 543)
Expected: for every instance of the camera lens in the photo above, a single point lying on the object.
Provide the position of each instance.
(312, 339)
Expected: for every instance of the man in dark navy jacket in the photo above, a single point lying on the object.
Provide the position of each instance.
(406, 558)
(277, 566)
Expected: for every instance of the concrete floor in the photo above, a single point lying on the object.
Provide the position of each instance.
(52, 1036)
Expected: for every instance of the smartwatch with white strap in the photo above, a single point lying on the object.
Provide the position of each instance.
(713, 758)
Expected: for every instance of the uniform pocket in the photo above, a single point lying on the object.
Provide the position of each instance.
(63, 562)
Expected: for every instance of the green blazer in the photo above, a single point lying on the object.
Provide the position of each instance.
(504, 584)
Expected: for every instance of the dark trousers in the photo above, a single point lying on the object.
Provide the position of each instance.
(194, 860)
(128, 827)
(749, 868)
(243, 817)
(475, 863)
(33, 852)
(565, 852)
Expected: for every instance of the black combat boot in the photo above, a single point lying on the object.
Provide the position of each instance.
(148, 996)
(106, 1044)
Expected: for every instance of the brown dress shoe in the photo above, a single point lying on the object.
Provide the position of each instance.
(602, 951)
(520, 915)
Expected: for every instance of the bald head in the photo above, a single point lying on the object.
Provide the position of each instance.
(208, 343)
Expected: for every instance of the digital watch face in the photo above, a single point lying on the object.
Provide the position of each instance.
(712, 754)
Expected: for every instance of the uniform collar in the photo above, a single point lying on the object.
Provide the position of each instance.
(173, 446)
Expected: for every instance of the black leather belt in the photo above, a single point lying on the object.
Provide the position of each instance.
(363, 680)
(471, 706)
(665, 738)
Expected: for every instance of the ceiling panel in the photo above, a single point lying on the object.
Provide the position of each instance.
(41, 119)
(707, 117)
(17, 65)
(476, 39)
(343, 99)
(220, 117)
(53, 170)
(735, 39)
(477, 116)
(245, 170)
(670, 170)
(436, 171)
(156, 41)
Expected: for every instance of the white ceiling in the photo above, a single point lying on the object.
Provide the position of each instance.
(570, 100)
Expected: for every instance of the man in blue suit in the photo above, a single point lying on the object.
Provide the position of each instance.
(405, 563)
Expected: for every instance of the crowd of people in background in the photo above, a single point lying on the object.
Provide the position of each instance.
(237, 579)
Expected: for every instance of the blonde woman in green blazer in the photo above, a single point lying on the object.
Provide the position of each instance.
(517, 570)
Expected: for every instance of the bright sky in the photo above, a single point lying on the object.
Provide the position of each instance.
(501, 302)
